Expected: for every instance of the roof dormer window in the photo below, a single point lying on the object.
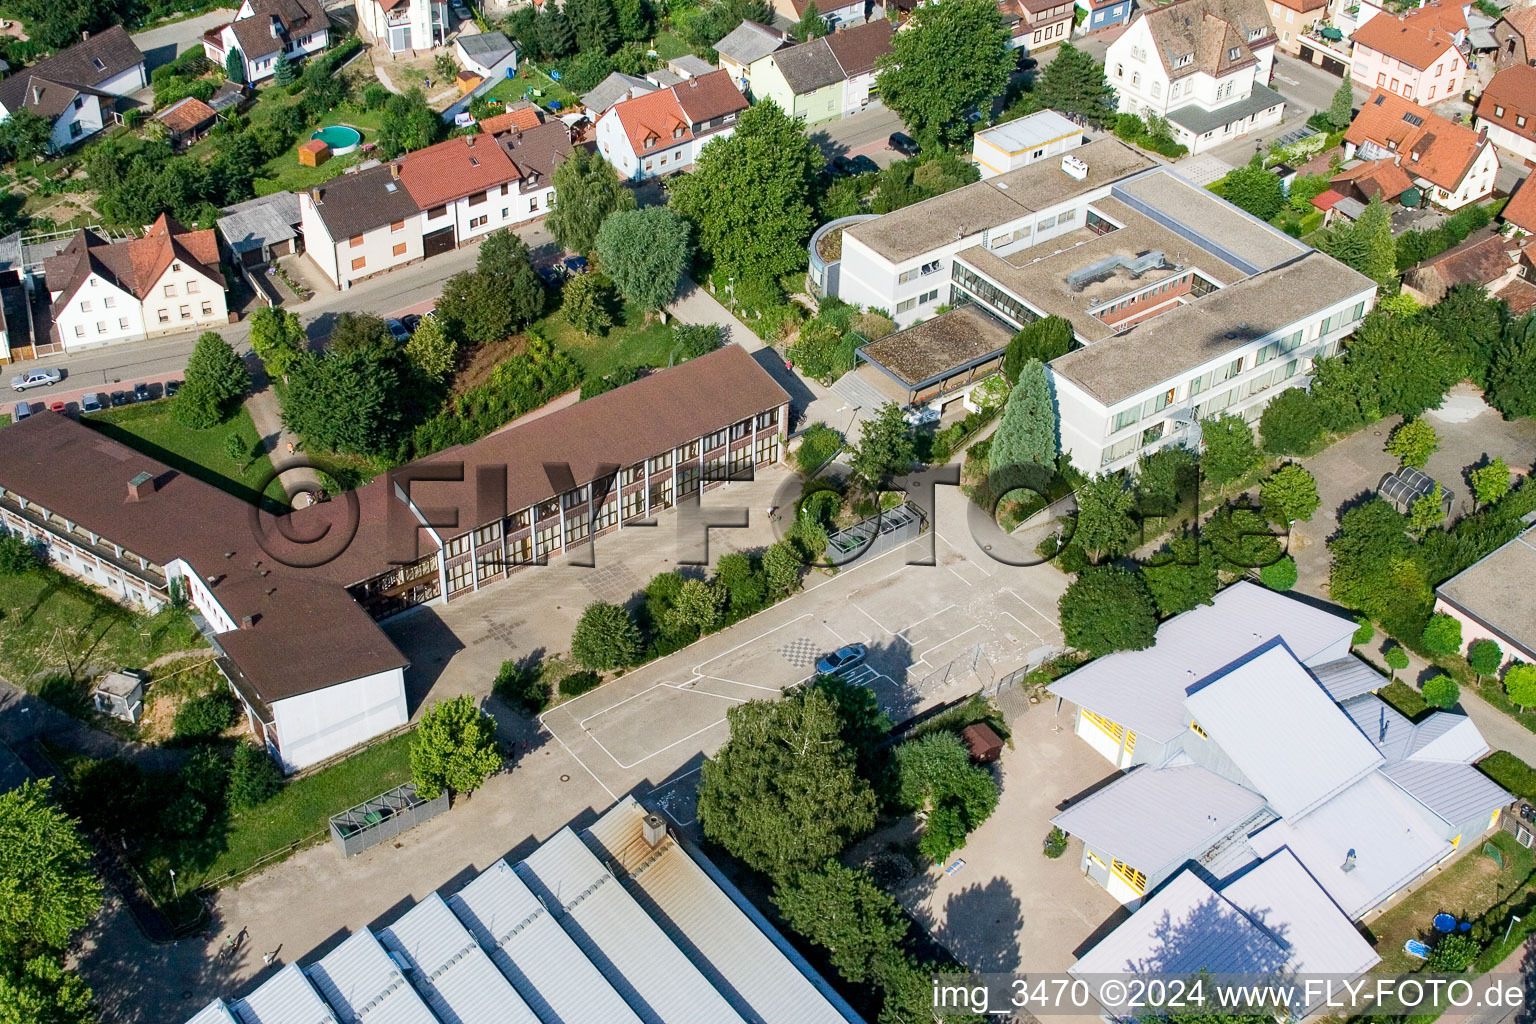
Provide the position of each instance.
(677, 132)
(1232, 53)
(650, 141)
(1184, 60)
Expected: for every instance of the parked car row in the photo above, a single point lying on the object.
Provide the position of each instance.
(95, 401)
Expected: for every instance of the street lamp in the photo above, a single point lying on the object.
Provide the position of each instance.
(174, 893)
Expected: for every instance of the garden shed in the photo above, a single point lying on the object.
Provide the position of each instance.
(120, 694)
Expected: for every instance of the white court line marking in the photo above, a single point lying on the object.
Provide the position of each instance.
(964, 557)
(925, 618)
(698, 669)
(669, 746)
(1021, 622)
(1031, 607)
(962, 579)
(871, 618)
(924, 656)
(737, 682)
(611, 794)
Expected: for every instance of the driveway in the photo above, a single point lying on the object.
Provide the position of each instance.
(999, 905)
(164, 44)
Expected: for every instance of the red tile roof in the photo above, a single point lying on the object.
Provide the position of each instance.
(1513, 91)
(186, 115)
(1427, 145)
(1522, 20)
(666, 115)
(519, 120)
(135, 265)
(454, 169)
(1419, 38)
(1326, 200)
(1521, 208)
(1375, 177)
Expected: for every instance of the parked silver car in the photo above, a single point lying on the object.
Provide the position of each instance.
(35, 379)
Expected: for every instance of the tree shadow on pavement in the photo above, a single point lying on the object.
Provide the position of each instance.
(981, 927)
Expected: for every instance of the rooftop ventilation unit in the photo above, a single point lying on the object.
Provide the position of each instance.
(1075, 167)
(1109, 266)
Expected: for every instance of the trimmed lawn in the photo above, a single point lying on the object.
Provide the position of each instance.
(669, 45)
(285, 171)
(296, 816)
(510, 89)
(149, 428)
(50, 622)
(1467, 889)
(631, 341)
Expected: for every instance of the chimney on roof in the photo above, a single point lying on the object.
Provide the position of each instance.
(1349, 862)
(469, 140)
(85, 35)
(394, 169)
(654, 829)
(141, 486)
(247, 621)
(314, 196)
(37, 94)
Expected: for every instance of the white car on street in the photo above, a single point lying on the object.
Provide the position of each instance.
(35, 379)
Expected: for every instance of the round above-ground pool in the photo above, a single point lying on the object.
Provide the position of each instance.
(339, 138)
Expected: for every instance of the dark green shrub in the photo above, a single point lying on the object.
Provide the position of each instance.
(578, 683)
(1055, 843)
(1442, 635)
(17, 555)
(254, 777)
(1441, 692)
(1279, 575)
(818, 444)
(1453, 954)
(205, 715)
(521, 685)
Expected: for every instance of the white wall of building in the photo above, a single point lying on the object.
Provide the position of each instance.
(1088, 428)
(1509, 141)
(82, 119)
(98, 313)
(312, 726)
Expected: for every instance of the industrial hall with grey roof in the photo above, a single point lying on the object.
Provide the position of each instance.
(1262, 771)
(620, 924)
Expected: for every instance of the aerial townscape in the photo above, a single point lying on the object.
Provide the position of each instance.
(767, 511)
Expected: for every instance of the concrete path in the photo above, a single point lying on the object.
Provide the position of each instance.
(24, 717)
(164, 44)
(281, 444)
(1519, 968)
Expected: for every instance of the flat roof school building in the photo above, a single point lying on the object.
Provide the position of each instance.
(620, 924)
(298, 640)
(1182, 306)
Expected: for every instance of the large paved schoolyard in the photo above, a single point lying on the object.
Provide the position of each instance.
(648, 729)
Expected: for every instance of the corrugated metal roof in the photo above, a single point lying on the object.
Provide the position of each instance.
(1447, 738)
(534, 952)
(1456, 792)
(745, 964)
(214, 1013)
(1281, 897)
(450, 970)
(1154, 817)
(1186, 927)
(1348, 677)
(1394, 839)
(1382, 724)
(1145, 690)
(285, 998)
(1283, 731)
(649, 970)
(359, 979)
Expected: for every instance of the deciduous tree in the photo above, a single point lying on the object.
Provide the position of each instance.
(431, 351)
(25, 134)
(1043, 339)
(1289, 495)
(843, 911)
(1490, 483)
(1427, 510)
(1442, 636)
(454, 748)
(1107, 609)
(587, 192)
(605, 638)
(1181, 576)
(48, 890)
(1520, 684)
(584, 302)
(1106, 523)
(949, 58)
(345, 402)
(937, 779)
(784, 794)
(1485, 656)
(885, 448)
(1291, 423)
(1441, 692)
(1255, 189)
(408, 124)
(502, 293)
(749, 195)
(1397, 659)
(696, 609)
(811, 24)
(646, 253)
(1512, 370)
(1228, 449)
(1413, 443)
(277, 337)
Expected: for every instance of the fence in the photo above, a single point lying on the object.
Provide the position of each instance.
(876, 535)
(972, 662)
(1037, 657)
(384, 817)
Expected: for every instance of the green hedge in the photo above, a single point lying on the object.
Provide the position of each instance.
(1510, 772)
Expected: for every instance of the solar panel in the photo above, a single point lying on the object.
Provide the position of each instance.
(1413, 119)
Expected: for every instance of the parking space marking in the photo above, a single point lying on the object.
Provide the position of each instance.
(945, 643)
(669, 746)
(1037, 611)
(737, 682)
(1021, 622)
(962, 579)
